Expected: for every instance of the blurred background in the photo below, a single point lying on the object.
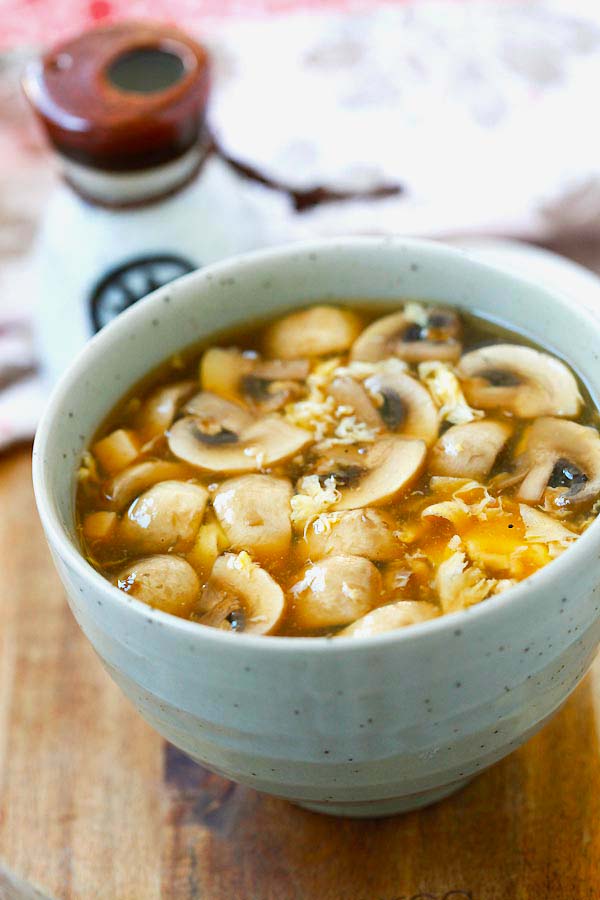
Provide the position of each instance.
(454, 119)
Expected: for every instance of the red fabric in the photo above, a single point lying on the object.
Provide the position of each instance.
(43, 22)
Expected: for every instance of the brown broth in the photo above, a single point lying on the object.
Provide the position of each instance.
(492, 535)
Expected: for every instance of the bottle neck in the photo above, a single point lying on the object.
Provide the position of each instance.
(124, 189)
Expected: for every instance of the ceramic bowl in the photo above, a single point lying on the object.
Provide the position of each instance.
(357, 727)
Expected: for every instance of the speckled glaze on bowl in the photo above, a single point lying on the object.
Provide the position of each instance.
(357, 727)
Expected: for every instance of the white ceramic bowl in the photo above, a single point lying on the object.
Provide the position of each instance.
(356, 727)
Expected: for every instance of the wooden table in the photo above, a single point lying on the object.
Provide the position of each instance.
(94, 804)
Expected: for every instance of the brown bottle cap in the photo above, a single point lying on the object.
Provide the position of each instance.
(122, 97)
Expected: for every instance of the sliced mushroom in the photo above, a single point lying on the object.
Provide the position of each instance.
(270, 394)
(166, 517)
(217, 417)
(358, 532)
(130, 483)
(377, 475)
(335, 591)
(159, 410)
(254, 513)
(348, 392)
(346, 462)
(561, 460)
(227, 447)
(317, 331)
(163, 581)
(222, 369)
(404, 405)
(436, 337)
(240, 596)
(391, 617)
(469, 451)
(519, 380)
(265, 384)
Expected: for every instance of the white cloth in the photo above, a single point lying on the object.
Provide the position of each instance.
(483, 111)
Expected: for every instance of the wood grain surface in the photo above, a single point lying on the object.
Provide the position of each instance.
(93, 804)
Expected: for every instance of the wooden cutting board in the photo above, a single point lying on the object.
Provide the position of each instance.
(94, 804)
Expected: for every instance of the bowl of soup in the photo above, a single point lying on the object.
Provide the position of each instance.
(328, 515)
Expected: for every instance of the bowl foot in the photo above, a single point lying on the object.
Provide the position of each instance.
(374, 809)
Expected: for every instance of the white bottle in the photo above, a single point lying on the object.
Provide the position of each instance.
(143, 197)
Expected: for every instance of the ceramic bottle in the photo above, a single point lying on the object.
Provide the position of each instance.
(141, 197)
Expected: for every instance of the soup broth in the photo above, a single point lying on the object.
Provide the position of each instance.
(341, 471)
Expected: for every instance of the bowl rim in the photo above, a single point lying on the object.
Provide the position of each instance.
(58, 537)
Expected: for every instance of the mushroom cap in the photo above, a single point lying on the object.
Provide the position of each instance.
(469, 450)
(263, 443)
(165, 517)
(216, 414)
(131, 482)
(163, 581)
(358, 532)
(222, 369)
(348, 392)
(520, 380)
(562, 457)
(334, 591)
(406, 407)
(254, 513)
(160, 408)
(390, 617)
(399, 335)
(266, 385)
(389, 465)
(317, 331)
(240, 596)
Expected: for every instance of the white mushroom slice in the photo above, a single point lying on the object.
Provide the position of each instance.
(335, 591)
(166, 517)
(263, 443)
(519, 380)
(254, 512)
(358, 532)
(240, 596)
(164, 581)
(265, 384)
(159, 410)
(317, 331)
(221, 371)
(281, 369)
(391, 617)
(404, 405)
(136, 479)
(438, 337)
(388, 467)
(561, 458)
(218, 417)
(348, 392)
(469, 451)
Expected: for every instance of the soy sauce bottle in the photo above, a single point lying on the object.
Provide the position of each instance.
(143, 198)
